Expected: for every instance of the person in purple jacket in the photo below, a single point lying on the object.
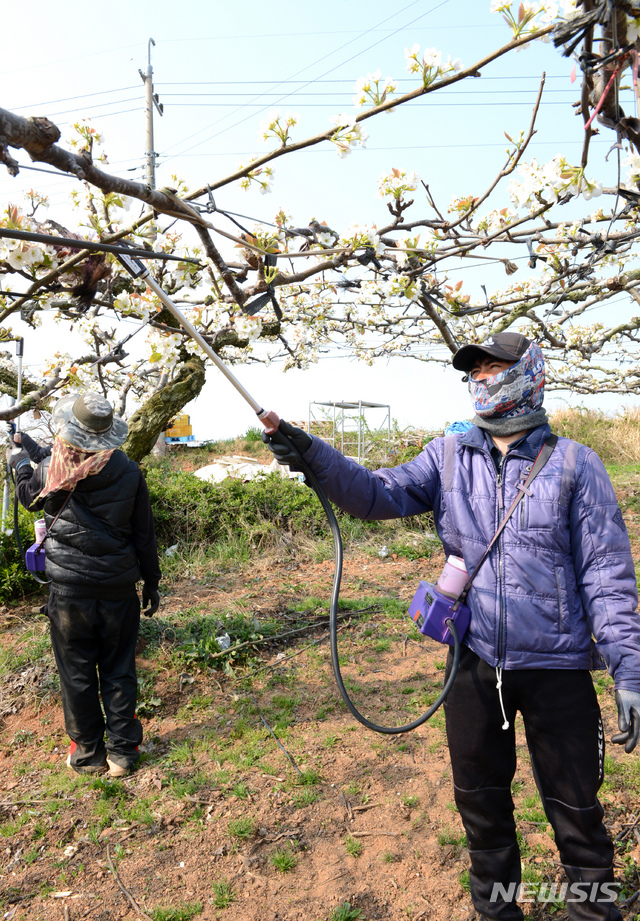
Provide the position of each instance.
(555, 598)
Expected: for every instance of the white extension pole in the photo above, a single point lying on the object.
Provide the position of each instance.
(5, 488)
(269, 419)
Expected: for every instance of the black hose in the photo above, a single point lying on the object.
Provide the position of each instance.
(333, 623)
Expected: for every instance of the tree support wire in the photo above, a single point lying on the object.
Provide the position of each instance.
(52, 240)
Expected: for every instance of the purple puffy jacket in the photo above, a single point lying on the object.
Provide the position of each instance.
(561, 573)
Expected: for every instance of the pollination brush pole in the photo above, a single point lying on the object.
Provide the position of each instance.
(268, 419)
(19, 354)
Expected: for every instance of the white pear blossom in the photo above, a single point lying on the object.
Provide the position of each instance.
(361, 235)
(373, 89)
(343, 120)
(164, 348)
(527, 16)
(23, 255)
(633, 175)
(123, 302)
(278, 126)
(261, 175)
(550, 182)
(397, 183)
(248, 327)
(431, 57)
(429, 64)
(349, 133)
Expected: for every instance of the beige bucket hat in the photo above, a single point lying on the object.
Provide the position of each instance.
(87, 421)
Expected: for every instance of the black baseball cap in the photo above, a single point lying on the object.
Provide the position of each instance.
(504, 346)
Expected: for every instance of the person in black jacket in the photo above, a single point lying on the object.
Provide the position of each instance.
(100, 542)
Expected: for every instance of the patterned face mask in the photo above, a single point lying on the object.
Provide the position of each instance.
(518, 391)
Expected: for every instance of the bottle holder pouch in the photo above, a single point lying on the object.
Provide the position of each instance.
(430, 609)
(35, 557)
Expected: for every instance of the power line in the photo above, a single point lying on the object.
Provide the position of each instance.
(318, 61)
(80, 57)
(259, 83)
(342, 80)
(341, 93)
(100, 105)
(108, 114)
(266, 36)
(52, 102)
(370, 149)
(332, 105)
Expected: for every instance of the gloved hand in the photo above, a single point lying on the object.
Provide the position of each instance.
(150, 601)
(628, 719)
(284, 452)
(15, 458)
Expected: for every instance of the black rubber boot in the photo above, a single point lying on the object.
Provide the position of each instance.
(592, 894)
(495, 871)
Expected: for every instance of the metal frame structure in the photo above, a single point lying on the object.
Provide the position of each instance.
(346, 413)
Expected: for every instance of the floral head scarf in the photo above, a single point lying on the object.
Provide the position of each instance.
(69, 465)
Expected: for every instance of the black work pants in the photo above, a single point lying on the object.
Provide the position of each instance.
(566, 743)
(94, 644)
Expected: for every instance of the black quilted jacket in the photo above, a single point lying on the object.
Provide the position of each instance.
(103, 541)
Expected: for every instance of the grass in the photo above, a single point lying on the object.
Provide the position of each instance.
(353, 847)
(284, 859)
(448, 837)
(242, 828)
(309, 777)
(223, 894)
(183, 912)
(621, 775)
(345, 912)
(615, 438)
(306, 797)
(531, 810)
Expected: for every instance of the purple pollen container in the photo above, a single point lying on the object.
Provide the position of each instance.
(430, 608)
(35, 557)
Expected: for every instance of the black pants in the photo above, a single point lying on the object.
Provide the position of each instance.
(94, 644)
(566, 743)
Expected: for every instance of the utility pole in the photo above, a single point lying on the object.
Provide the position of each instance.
(150, 102)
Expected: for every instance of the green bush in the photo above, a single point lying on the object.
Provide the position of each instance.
(190, 511)
(251, 515)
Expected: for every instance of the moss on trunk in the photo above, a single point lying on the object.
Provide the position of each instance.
(154, 416)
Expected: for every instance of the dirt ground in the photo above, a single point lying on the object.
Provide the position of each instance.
(332, 814)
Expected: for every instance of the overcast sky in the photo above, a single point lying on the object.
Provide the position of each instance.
(217, 77)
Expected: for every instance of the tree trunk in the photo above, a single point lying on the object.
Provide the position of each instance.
(153, 416)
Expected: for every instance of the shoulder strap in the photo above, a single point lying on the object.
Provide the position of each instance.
(568, 471)
(448, 462)
(523, 488)
(48, 531)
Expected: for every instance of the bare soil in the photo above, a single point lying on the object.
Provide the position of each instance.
(365, 820)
